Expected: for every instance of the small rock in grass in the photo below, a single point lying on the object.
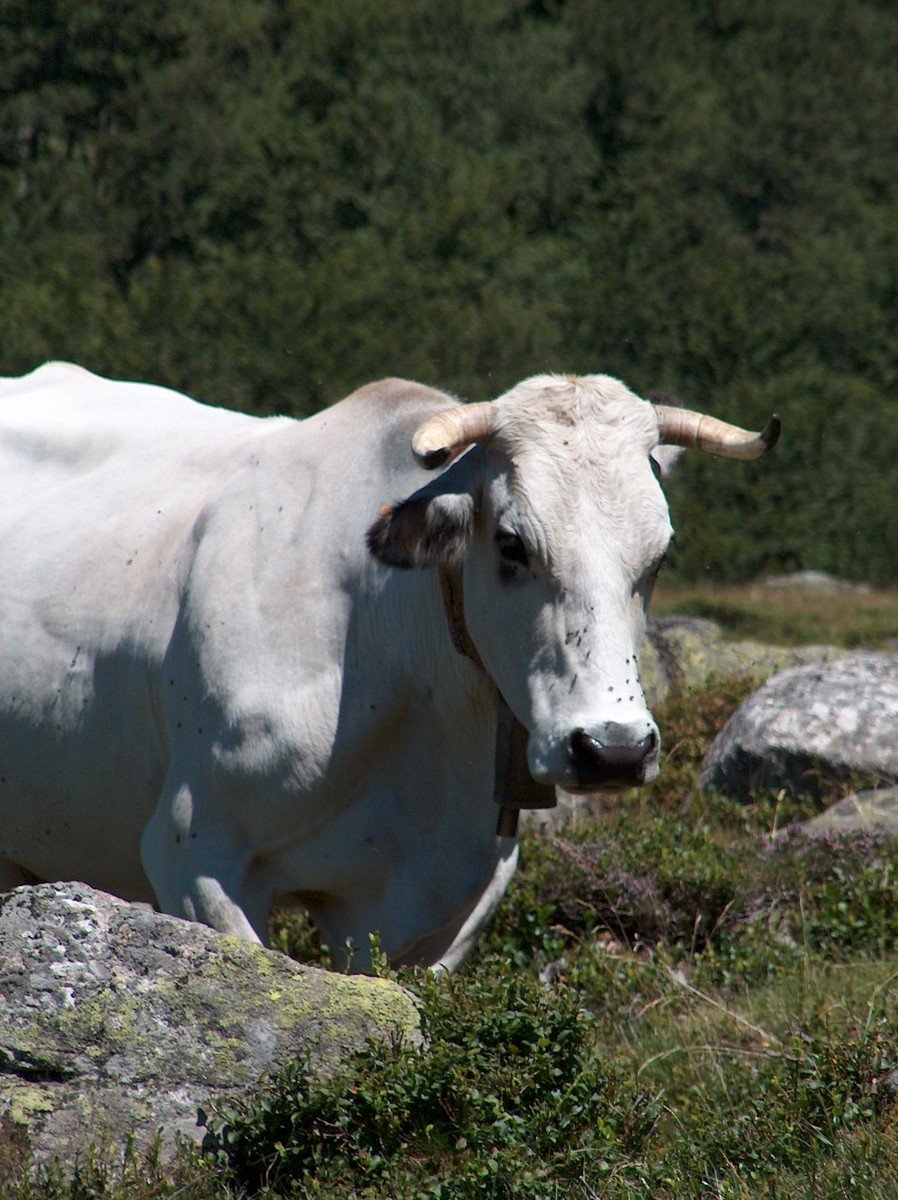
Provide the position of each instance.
(876, 809)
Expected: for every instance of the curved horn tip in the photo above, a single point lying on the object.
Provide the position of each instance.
(446, 434)
(770, 434)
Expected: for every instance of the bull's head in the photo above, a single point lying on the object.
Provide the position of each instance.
(560, 524)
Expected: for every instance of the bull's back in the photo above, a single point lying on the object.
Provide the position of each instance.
(100, 486)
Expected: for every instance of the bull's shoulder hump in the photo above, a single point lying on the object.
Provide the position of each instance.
(401, 398)
(394, 393)
(41, 376)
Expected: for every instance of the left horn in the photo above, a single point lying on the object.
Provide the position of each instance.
(434, 441)
(682, 427)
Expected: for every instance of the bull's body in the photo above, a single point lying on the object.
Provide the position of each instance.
(214, 695)
(200, 659)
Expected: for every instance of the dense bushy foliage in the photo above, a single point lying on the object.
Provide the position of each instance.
(513, 1098)
(268, 202)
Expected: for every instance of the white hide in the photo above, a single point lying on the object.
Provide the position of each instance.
(213, 698)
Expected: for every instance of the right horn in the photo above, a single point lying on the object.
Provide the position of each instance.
(435, 442)
(682, 427)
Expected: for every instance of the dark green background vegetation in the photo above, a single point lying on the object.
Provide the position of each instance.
(268, 202)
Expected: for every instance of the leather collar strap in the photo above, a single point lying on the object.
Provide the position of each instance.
(514, 787)
(452, 583)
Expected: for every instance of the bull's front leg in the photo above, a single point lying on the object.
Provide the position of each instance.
(200, 868)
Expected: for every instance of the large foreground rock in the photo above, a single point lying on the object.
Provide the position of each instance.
(114, 1019)
(828, 721)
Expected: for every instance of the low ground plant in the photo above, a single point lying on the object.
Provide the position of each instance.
(513, 1097)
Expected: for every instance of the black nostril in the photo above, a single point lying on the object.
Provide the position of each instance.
(583, 747)
(595, 762)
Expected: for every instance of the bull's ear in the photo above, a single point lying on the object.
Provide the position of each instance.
(424, 530)
(665, 458)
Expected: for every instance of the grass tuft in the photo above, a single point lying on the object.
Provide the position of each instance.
(795, 616)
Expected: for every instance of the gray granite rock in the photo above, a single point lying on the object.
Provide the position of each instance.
(116, 1020)
(876, 809)
(830, 720)
(814, 581)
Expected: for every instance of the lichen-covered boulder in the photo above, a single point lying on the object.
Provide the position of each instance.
(822, 722)
(684, 653)
(117, 1020)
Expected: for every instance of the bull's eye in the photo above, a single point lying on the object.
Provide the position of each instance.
(512, 553)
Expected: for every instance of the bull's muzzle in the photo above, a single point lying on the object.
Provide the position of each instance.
(611, 758)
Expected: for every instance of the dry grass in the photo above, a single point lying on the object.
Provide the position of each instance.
(862, 619)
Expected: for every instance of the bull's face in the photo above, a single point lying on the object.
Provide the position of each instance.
(573, 528)
(559, 526)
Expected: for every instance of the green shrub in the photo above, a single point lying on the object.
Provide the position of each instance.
(292, 932)
(842, 888)
(511, 1098)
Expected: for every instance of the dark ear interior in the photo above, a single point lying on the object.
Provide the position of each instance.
(666, 458)
(424, 530)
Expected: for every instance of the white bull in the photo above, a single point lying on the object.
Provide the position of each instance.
(214, 696)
